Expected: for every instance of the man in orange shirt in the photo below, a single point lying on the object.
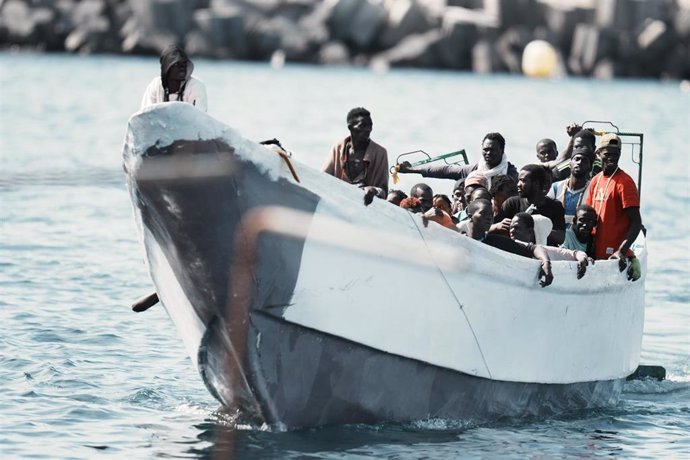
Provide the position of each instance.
(613, 195)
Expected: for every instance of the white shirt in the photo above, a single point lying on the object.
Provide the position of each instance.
(194, 93)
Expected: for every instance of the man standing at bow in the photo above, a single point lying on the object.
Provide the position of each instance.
(359, 160)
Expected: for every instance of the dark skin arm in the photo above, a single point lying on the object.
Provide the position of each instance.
(405, 167)
(545, 275)
(582, 261)
(501, 228)
(571, 129)
(370, 192)
(633, 230)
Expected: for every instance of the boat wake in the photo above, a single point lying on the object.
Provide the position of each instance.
(651, 386)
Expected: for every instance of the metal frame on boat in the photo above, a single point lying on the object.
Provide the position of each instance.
(634, 140)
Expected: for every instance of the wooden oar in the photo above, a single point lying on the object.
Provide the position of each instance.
(652, 372)
(145, 302)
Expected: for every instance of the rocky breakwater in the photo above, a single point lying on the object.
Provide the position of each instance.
(604, 38)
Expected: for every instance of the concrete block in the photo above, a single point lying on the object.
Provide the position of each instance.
(590, 45)
(662, 10)
(677, 65)
(471, 4)
(628, 54)
(119, 14)
(510, 46)
(64, 8)
(604, 70)
(460, 33)
(367, 23)
(88, 10)
(196, 44)
(527, 13)
(434, 9)
(340, 17)
(681, 23)
(413, 51)
(139, 42)
(17, 18)
(92, 36)
(266, 36)
(36, 27)
(616, 14)
(561, 20)
(485, 58)
(656, 42)
(655, 37)
(357, 22)
(224, 30)
(294, 10)
(482, 18)
(164, 16)
(316, 23)
(47, 35)
(403, 18)
(334, 53)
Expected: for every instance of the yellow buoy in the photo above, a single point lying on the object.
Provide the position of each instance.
(539, 59)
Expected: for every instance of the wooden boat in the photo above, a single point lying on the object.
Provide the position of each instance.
(302, 307)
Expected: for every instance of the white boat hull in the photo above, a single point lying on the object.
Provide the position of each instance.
(304, 307)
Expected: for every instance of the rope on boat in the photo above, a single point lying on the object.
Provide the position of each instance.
(285, 156)
(394, 173)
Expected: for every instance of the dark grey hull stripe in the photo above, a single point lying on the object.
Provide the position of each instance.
(304, 377)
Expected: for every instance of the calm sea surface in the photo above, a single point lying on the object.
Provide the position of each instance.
(81, 376)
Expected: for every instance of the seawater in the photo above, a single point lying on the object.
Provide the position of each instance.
(82, 376)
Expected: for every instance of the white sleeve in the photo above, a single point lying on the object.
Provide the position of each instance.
(542, 228)
(149, 95)
(554, 253)
(197, 95)
(557, 253)
(552, 191)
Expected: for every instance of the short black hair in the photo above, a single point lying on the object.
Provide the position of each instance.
(587, 136)
(420, 188)
(503, 182)
(527, 218)
(399, 193)
(459, 184)
(479, 190)
(537, 173)
(444, 198)
(357, 112)
(496, 137)
(472, 207)
(586, 207)
(546, 141)
(586, 151)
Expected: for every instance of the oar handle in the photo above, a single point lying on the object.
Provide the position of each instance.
(145, 302)
(396, 167)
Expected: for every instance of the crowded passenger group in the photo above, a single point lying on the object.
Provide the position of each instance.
(586, 211)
